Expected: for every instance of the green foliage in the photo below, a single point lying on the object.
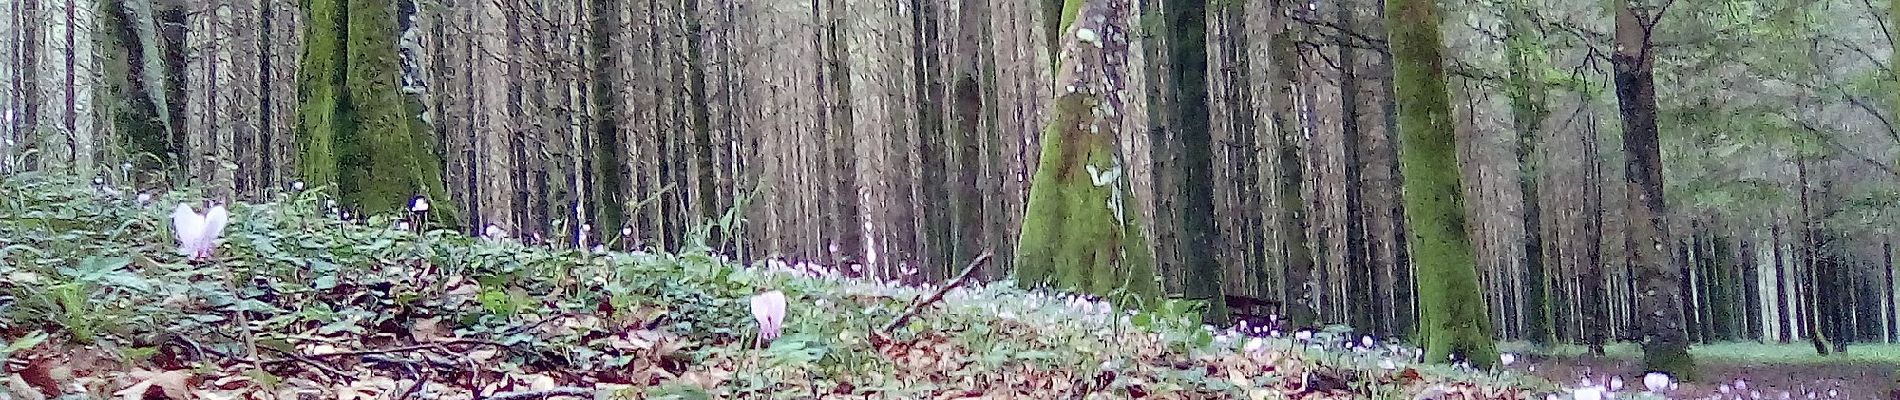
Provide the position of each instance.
(89, 266)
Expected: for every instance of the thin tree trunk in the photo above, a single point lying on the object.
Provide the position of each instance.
(1301, 287)
(1358, 273)
(1527, 64)
(1187, 27)
(1593, 299)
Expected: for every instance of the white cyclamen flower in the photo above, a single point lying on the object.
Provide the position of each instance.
(769, 309)
(197, 233)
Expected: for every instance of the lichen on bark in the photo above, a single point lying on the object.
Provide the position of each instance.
(1078, 233)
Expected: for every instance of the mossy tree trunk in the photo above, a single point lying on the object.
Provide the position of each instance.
(1187, 51)
(139, 81)
(355, 128)
(1080, 232)
(1452, 315)
(1659, 303)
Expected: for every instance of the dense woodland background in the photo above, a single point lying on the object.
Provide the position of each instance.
(900, 135)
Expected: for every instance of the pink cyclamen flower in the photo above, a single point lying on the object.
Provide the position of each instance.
(196, 233)
(769, 309)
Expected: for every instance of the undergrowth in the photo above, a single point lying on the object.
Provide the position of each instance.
(95, 301)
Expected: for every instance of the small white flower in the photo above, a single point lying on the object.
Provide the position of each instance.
(419, 204)
(402, 225)
(1616, 383)
(1365, 341)
(145, 198)
(1507, 359)
(1303, 335)
(493, 232)
(298, 186)
(1587, 393)
(1657, 381)
(1255, 345)
(1388, 364)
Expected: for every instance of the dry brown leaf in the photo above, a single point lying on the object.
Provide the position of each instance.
(176, 384)
(431, 330)
(21, 390)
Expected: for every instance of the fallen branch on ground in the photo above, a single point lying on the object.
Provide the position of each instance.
(918, 306)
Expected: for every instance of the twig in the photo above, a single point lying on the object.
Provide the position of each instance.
(409, 365)
(244, 318)
(569, 391)
(332, 372)
(934, 297)
(425, 346)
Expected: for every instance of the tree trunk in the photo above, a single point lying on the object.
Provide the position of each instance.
(966, 115)
(1752, 321)
(376, 157)
(1451, 310)
(1300, 286)
(1358, 273)
(1527, 64)
(848, 214)
(1784, 311)
(934, 168)
(1665, 342)
(1187, 53)
(1069, 239)
(1593, 299)
(1811, 264)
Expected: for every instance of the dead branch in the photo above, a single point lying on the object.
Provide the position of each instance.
(567, 391)
(918, 306)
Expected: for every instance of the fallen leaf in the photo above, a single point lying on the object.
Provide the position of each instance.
(430, 330)
(175, 384)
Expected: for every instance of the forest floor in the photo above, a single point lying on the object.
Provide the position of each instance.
(1765, 371)
(96, 301)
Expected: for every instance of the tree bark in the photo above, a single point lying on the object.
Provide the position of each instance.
(1659, 300)
(1078, 233)
(1187, 27)
(1451, 303)
(1527, 63)
(376, 157)
(1300, 286)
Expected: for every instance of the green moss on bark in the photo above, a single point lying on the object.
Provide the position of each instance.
(1080, 231)
(356, 129)
(1452, 315)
